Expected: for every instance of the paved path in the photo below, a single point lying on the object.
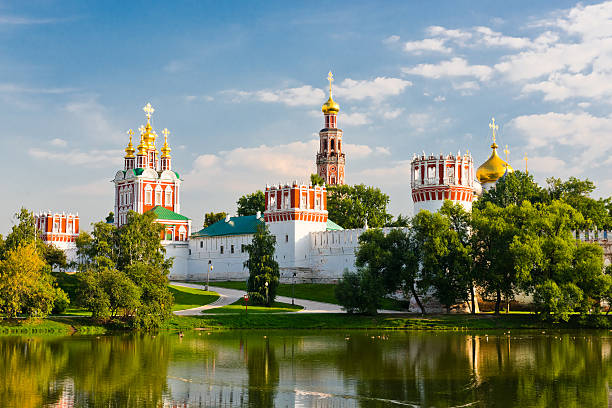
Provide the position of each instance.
(229, 296)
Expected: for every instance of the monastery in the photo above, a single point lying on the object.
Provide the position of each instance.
(309, 246)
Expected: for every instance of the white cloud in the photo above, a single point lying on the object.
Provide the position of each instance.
(17, 89)
(300, 96)
(466, 86)
(376, 89)
(58, 142)
(392, 113)
(392, 39)
(439, 98)
(353, 119)
(91, 119)
(455, 67)
(96, 188)
(75, 157)
(427, 45)
(175, 66)
(384, 151)
(588, 136)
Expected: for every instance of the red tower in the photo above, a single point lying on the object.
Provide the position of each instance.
(330, 158)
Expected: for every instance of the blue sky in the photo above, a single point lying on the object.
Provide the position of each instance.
(240, 85)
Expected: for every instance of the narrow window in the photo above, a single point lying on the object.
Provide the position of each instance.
(158, 196)
(201, 244)
(286, 238)
(221, 249)
(148, 195)
(232, 249)
(242, 248)
(168, 198)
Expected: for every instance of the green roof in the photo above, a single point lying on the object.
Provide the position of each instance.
(177, 175)
(165, 214)
(138, 171)
(235, 226)
(332, 226)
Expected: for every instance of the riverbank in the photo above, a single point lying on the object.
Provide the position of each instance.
(308, 321)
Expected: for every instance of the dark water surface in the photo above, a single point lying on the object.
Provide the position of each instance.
(308, 369)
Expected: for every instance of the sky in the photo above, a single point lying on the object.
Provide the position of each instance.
(240, 87)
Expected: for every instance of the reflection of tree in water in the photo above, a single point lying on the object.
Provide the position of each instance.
(103, 372)
(404, 368)
(27, 368)
(264, 372)
(128, 370)
(498, 371)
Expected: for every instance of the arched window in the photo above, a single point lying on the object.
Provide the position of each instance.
(332, 145)
(182, 233)
(168, 197)
(148, 195)
(158, 195)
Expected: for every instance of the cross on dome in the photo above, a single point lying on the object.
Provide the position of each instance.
(493, 128)
(165, 132)
(506, 151)
(141, 129)
(330, 78)
(525, 158)
(148, 110)
(130, 133)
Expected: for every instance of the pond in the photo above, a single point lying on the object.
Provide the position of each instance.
(309, 369)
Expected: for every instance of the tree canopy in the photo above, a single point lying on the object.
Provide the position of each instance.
(250, 204)
(212, 217)
(354, 206)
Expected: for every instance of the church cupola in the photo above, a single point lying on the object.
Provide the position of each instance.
(130, 159)
(330, 158)
(495, 167)
(141, 158)
(149, 137)
(166, 163)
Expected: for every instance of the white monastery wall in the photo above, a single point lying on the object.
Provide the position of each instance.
(226, 253)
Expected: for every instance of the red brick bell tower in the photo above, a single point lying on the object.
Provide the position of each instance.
(330, 158)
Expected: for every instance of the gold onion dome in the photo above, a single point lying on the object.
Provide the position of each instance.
(166, 149)
(495, 167)
(129, 150)
(330, 106)
(142, 147)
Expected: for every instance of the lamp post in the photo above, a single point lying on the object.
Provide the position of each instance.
(208, 272)
(267, 302)
(293, 290)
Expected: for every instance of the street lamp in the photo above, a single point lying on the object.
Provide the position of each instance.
(293, 290)
(210, 269)
(267, 301)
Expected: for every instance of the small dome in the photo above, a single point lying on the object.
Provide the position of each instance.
(330, 106)
(494, 168)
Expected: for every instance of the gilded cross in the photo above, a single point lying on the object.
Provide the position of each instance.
(506, 151)
(130, 133)
(493, 128)
(330, 78)
(526, 171)
(165, 132)
(148, 110)
(141, 129)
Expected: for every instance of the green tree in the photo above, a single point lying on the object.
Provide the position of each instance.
(24, 230)
(263, 268)
(54, 257)
(443, 258)
(213, 217)
(250, 204)
(513, 188)
(576, 193)
(353, 206)
(387, 263)
(133, 258)
(399, 222)
(110, 218)
(26, 285)
(496, 232)
(317, 180)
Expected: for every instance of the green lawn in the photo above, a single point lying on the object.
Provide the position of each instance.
(188, 298)
(238, 307)
(319, 292)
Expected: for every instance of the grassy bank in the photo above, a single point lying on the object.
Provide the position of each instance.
(238, 308)
(319, 292)
(391, 322)
(188, 298)
(50, 326)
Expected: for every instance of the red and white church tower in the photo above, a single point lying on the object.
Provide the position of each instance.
(148, 183)
(435, 179)
(330, 158)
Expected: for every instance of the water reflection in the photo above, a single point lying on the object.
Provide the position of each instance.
(266, 369)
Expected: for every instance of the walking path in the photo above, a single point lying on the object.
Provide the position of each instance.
(229, 296)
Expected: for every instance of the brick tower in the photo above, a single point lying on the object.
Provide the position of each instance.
(330, 158)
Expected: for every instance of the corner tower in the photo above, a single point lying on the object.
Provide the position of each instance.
(330, 158)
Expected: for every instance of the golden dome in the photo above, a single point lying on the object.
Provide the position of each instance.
(142, 147)
(165, 149)
(330, 106)
(129, 150)
(495, 167)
